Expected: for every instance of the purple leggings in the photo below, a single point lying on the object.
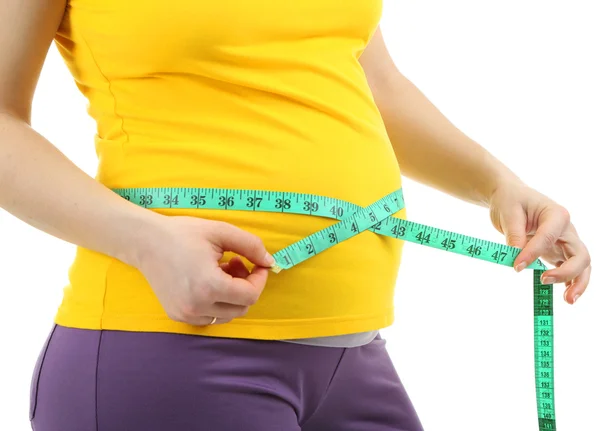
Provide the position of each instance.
(88, 380)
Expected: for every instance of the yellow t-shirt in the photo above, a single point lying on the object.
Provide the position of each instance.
(262, 94)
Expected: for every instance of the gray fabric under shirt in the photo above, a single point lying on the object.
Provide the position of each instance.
(347, 340)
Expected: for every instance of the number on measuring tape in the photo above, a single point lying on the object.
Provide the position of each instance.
(378, 218)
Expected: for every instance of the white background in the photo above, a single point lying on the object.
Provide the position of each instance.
(521, 78)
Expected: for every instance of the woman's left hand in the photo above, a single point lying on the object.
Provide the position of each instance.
(542, 228)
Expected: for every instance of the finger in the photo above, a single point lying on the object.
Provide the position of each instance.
(223, 311)
(571, 268)
(240, 291)
(235, 267)
(514, 225)
(552, 225)
(258, 277)
(208, 321)
(197, 320)
(232, 238)
(559, 253)
(578, 286)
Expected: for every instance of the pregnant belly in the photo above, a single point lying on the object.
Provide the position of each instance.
(328, 284)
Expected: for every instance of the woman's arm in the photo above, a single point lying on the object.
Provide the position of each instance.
(429, 148)
(178, 255)
(433, 151)
(38, 184)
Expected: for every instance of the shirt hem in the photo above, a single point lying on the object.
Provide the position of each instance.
(239, 328)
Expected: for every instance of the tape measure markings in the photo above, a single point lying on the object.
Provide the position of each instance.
(544, 352)
(377, 217)
(323, 206)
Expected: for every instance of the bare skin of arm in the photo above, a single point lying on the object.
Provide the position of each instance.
(38, 184)
(42, 187)
(432, 151)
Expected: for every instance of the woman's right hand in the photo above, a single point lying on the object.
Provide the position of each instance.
(43, 188)
(181, 263)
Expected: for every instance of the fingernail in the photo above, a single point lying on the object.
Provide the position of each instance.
(548, 280)
(575, 298)
(270, 259)
(520, 267)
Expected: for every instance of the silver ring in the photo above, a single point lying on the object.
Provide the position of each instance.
(213, 321)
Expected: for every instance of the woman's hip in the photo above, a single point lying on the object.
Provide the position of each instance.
(118, 380)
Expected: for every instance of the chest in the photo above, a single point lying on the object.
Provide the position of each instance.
(139, 37)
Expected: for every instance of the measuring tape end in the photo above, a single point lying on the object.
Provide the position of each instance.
(276, 269)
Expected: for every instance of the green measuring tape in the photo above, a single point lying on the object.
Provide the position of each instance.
(377, 218)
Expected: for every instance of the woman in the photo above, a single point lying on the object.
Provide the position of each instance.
(162, 326)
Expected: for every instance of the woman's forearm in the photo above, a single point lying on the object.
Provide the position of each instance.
(43, 188)
(431, 150)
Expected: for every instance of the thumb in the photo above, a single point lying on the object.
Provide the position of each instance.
(513, 225)
(231, 238)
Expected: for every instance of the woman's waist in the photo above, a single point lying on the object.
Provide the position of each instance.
(327, 159)
(356, 276)
(360, 178)
(350, 181)
(279, 219)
